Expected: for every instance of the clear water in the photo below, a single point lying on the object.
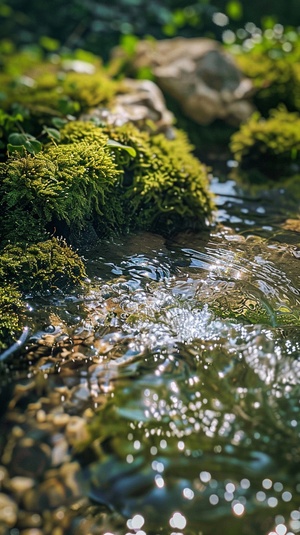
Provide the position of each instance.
(189, 376)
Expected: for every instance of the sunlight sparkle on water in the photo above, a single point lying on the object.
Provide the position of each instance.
(136, 522)
(205, 476)
(238, 509)
(188, 493)
(178, 521)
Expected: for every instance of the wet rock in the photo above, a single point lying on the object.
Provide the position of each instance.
(68, 473)
(52, 493)
(61, 420)
(76, 430)
(200, 75)
(30, 459)
(292, 224)
(59, 450)
(139, 102)
(29, 520)
(18, 484)
(8, 510)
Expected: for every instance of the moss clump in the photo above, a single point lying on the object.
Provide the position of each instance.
(56, 86)
(274, 80)
(115, 177)
(11, 308)
(19, 225)
(166, 187)
(39, 267)
(271, 145)
(76, 131)
(65, 182)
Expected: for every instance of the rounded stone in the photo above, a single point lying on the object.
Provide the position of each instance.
(8, 510)
(76, 430)
(30, 459)
(21, 484)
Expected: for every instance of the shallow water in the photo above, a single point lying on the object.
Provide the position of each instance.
(183, 360)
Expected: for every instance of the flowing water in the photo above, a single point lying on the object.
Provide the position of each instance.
(165, 400)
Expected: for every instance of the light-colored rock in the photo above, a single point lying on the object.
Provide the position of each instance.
(140, 102)
(8, 510)
(76, 431)
(19, 484)
(200, 75)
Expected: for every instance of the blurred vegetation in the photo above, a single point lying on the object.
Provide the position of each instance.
(271, 145)
(98, 25)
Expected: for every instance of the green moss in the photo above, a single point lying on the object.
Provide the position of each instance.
(54, 87)
(271, 145)
(75, 131)
(275, 79)
(166, 187)
(39, 267)
(19, 225)
(67, 182)
(11, 309)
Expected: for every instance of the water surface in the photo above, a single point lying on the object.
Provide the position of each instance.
(170, 391)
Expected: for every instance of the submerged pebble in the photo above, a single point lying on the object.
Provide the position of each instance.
(8, 510)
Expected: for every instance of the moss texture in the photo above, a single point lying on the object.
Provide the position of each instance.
(271, 146)
(11, 310)
(42, 266)
(275, 80)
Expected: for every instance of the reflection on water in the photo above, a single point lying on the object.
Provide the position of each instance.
(168, 396)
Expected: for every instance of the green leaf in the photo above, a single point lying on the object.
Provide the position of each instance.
(52, 132)
(49, 44)
(16, 148)
(67, 106)
(17, 139)
(17, 142)
(58, 122)
(33, 146)
(129, 43)
(115, 144)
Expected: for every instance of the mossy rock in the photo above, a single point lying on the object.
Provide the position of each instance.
(270, 146)
(117, 177)
(11, 310)
(44, 266)
(165, 186)
(277, 80)
(63, 181)
(56, 86)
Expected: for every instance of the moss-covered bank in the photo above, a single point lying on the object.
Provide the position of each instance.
(61, 176)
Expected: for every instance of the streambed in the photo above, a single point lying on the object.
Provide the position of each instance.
(166, 399)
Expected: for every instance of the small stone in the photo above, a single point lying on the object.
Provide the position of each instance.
(68, 473)
(8, 510)
(33, 406)
(40, 416)
(29, 520)
(61, 420)
(19, 484)
(76, 430)
(30, 459)
(59, 450)
(51, 494)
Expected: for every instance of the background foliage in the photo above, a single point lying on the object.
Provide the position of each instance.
(97, 25)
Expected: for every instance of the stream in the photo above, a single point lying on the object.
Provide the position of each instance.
(166, 399)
